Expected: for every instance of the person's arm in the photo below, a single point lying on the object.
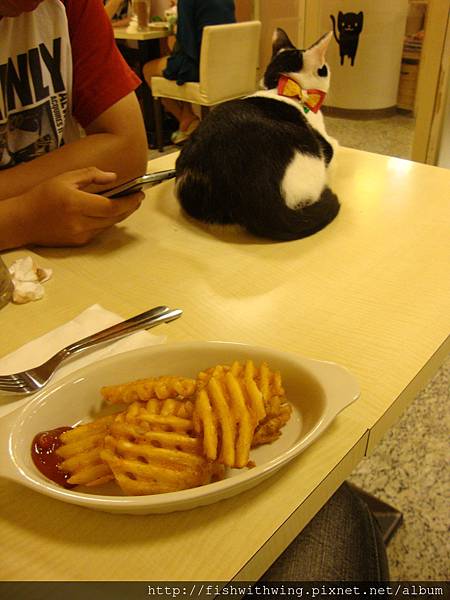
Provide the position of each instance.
(111, 7)
(115, 141)
(40, 201)
(59, 212)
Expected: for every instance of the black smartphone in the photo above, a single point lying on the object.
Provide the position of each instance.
(140, 183)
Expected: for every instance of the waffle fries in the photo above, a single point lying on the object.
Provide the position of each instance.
(236, 403)
(152, 453)
(146, 389)
(176, 433)
(80, 451)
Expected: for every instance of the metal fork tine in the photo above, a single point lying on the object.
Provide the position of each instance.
(19, 383)
(17, 389)
(12, 383)
(12, 377)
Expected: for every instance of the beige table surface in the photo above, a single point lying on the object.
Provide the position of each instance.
(122, 33)
(370, 292)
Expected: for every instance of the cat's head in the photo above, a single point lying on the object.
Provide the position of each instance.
(307, 67)
(350, 22)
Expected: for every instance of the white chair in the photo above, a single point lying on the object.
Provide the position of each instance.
(229, 58)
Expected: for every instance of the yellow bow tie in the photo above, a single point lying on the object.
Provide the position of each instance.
(311, 99)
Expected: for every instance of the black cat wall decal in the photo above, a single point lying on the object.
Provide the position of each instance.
(350, 26)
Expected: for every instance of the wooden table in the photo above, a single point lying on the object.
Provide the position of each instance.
(370, 292)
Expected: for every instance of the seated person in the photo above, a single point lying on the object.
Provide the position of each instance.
(57, 78)
(117, 11)
(343, 542)
(183, 63)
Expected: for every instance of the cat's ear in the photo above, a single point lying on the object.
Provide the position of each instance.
(318, 50)
(280, 41)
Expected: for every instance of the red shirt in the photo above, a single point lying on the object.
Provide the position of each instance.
(101, 76)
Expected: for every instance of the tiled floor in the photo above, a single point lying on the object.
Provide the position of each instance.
(153, 153)
(407, 469)
(391, 136)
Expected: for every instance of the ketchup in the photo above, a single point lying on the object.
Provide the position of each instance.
(45, 458)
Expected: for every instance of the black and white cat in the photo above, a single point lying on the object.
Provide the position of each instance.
(261, 162)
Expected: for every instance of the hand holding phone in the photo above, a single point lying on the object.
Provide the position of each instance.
(138, 184)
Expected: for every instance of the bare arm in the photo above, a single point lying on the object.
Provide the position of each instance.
(59, 212)
(115, 141)
(111, 7)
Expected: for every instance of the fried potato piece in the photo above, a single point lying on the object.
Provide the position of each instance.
(205, 422)
(148, 457)
(245, 420)
(162, 415)
(231, 403)
(171, 406)
(161, 388)
(269, 429)
(80, 450)
(263, 388)
(225, 421)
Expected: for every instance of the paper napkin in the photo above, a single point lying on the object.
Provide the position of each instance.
(93, 319)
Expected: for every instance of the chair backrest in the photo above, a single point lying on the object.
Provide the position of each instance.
(229, 59)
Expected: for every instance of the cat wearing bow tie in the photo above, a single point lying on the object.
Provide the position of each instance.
(261, 162)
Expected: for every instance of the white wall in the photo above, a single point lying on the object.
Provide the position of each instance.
(372, 82)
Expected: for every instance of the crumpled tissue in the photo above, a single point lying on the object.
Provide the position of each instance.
(27, 279)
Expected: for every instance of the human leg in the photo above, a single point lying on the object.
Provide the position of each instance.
(187, 119)
(342, 543)
(187, 116)
(182, 111)
(154, 68)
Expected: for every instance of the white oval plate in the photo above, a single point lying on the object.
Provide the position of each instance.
(317, 390)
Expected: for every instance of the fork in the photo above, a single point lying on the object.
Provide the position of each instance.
(32, 380)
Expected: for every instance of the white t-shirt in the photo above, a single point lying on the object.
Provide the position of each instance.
(35, 84)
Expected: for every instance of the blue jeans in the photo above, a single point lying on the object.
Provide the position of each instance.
(341, 543)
